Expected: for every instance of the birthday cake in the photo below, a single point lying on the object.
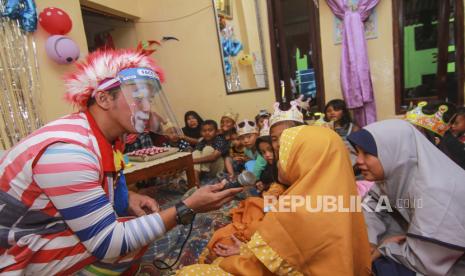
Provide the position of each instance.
(148, 154)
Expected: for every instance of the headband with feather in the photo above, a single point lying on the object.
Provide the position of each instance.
(104, 64)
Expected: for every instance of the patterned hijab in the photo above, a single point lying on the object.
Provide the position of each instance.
(316, 162)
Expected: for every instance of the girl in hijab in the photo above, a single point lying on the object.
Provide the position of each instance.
(191, 130)
(303, 242)
(423, 228)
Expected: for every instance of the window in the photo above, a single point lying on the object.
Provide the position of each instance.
(428, 51)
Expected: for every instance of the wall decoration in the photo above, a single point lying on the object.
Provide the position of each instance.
(356, 84)
(62, 49)
(371, 25)
(24, 11)
(55, 21)
(19, 82)
(245, 59)
(241, 46)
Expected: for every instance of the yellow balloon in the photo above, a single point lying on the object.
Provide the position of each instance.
(245, 59)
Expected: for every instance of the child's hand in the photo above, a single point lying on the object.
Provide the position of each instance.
(224, 250)
(395, 239)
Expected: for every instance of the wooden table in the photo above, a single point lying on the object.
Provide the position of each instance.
(165, 166)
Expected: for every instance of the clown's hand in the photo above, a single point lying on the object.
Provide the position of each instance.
(305, 105)
(155, 122)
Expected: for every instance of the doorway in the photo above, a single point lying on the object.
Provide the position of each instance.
(296, 50)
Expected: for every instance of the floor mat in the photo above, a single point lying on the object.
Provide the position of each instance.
(167, 248)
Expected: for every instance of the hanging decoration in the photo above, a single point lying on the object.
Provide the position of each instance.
(356, 84)
(62, 49)
(58, 47)
(19, 81)
(55, 21)
(24, 11)
(231, 47)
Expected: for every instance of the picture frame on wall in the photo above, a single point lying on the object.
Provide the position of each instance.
(224, 8)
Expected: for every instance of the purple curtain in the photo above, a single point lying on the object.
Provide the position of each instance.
(355, 69)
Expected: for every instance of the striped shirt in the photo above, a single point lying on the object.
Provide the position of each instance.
(55, 216)
(78, 196)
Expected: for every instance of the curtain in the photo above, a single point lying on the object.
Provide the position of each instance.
(356, 82)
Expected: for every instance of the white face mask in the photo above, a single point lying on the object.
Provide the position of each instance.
(140, 120)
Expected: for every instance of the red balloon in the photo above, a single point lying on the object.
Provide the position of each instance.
(55, 21)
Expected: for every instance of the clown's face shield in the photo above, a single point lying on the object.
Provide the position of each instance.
(150, 110)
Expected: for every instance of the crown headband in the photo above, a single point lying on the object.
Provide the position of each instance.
(433, 122)
(246, 127)
(293, 114)
(230, 115)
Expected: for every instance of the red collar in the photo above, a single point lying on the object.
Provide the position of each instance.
(106, 149)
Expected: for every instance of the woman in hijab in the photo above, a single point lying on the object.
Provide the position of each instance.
(303, 242)
(423, 230)
(191, 130)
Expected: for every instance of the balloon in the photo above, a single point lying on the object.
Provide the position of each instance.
(231, 47)
(55, 21)
(236, 47)
(12, 9)
(227, 67)
(27, 14)
(62, 49)
(245, 59)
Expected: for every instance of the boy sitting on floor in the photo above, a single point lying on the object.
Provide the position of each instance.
(209, 152)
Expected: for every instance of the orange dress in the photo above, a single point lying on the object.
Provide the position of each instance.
(301, 242)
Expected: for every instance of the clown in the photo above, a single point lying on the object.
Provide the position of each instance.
(59, 189)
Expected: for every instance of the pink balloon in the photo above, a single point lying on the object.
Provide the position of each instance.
(62, 49)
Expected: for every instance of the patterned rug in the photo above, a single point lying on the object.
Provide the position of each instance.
(168, 247)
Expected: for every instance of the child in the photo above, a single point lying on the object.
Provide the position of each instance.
(431, 120)
(237, 150)
(227, 123)
(336, 111)
(457, 124)
(338, 114)
(237, 157)
(228, 134)
(268, 180)
(261, 117)
(248, 134)
(209, 152)
(174, 140)
(453, 141)
(191, 130)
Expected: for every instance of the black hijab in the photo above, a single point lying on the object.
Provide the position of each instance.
(192, 132)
